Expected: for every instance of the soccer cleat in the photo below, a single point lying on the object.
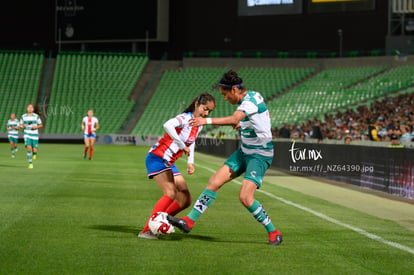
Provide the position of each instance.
(90, 158)
(275, 238)
(147, 235)
(34, 157)
(13, 156)
(180, 223)
(30, 166)
(15, 150)
(84, 156)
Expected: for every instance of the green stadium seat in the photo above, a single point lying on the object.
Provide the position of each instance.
(102, 82)
(189, 82)
(20, 74)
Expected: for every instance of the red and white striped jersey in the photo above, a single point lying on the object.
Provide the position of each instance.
(167, 148)
(90, 124)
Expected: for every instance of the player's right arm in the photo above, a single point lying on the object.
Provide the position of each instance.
(169, 127)
(228, 120)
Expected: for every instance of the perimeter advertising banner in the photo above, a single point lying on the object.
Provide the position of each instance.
(389, 170)
(141, 140)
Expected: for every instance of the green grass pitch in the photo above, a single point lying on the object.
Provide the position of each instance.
(74, 216)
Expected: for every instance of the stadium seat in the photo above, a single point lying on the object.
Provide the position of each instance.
(101, 82)
(332, 89)
(189, 82)
(20, 74)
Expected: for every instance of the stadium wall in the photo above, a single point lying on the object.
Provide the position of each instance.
(310, 31)
(389, 170)
(321, 63)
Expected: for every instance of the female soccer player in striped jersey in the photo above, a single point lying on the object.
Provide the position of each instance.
(253, 157)
(90, 125)
(13, 126)
(31, 122)
(179, 139)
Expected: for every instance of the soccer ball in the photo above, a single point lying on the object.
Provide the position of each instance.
(159, 225)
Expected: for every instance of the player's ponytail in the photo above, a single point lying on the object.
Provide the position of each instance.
(200, 99)
(230, 79)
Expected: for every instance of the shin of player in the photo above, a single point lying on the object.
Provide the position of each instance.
(252, 159)
(90, 125)
(179, 139)
(13, 125)
(31, 122)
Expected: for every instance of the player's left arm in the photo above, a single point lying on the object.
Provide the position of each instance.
(96, 126)
(39, 124)
(190, 160)
(227, 120)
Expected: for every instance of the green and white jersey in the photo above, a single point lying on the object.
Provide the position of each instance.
(11, 132)
(28, 121)
(255, 128)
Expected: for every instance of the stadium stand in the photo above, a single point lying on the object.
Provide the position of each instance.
(394, 79)
(101, 82)
(271, 81)
(174, 92)
(354, 122)
(319, 94)
(20, 74)
(189, 82)
(392, 115)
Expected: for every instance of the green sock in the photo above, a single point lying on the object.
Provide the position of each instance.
(29, 157)
(259, 213)
(203, 202)
(12, 150)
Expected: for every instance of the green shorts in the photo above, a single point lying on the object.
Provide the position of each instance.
(254, 166)
(31, 142)
(13, 139)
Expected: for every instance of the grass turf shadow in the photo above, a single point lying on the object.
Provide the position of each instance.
(172, 237)
(116, 228)
(182, 236)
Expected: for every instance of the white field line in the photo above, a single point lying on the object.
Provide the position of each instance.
(327, 218)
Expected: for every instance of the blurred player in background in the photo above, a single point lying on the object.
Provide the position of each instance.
(90, 125)
(31, 122)
(253, 158)
(13, 126)
(179, 139)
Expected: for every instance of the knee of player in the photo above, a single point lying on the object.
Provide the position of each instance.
(246, 199)
(214, 183)
(170, 192)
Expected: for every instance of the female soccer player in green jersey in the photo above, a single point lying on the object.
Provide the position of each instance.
(13, 126)
(253, 158)
(31, 122)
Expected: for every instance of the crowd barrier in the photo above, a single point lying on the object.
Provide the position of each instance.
(389, 170)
